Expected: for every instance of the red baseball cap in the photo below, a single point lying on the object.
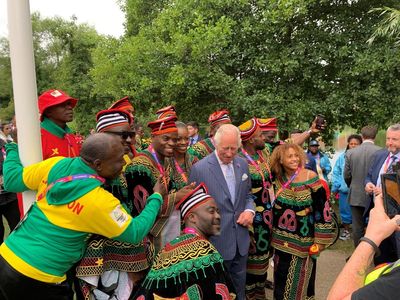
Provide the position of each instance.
(53, 97)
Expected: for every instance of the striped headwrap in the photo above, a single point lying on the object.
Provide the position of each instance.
(166, 112)
(269, 124)
(195, 197)
(219, 117)
(162, 126)
(109, 118)
(248, 128)
(124, 104)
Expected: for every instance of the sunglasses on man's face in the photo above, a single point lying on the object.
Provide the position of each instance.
(123, 134)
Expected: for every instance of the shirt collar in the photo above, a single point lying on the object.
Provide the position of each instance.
(53, 128)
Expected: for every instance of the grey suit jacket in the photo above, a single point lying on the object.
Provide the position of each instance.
(357, 163)
(233, 236)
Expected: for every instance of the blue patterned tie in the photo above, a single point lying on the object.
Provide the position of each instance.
(230, 181)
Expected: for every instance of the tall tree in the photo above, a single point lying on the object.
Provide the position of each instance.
(63, 58)
(5, 74)
(290, 59)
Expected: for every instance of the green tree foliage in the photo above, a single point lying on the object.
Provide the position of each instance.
(286, 58)
(389, 27)
(5, 74)
(63, 59)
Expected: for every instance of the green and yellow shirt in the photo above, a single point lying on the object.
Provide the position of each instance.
(53, 236)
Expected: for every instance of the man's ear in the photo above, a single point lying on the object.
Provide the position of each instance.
(97, 165)
(192, 218)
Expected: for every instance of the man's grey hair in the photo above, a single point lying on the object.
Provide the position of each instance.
(224, 129)
(394, 127)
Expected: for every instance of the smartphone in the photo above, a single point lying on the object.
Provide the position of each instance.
(391, 193)
(320, 121)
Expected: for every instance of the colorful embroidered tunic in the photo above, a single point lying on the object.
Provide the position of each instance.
(189, 267)
(261, 231)
(180, 180)
(57, 141)
(104, 254)
(301, 217)
(202, 148)
(53, 236)
(141, 176)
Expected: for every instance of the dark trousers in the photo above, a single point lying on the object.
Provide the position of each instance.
(357, 215)
(10, 211)
(237, 270)
(16, 286)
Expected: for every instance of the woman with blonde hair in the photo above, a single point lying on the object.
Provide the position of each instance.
(302, 224)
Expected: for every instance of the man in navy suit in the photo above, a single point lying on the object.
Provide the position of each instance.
(382, 163)
(228, 181)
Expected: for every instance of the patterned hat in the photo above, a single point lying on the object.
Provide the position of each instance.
(192, 200)
(166, 112)
(52, 98)
(219, 117)
(248, 128)
(269, 124)
(162, 126)
(123, 104)
(109, 118)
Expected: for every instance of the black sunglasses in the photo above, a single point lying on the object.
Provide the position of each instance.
(123, 134)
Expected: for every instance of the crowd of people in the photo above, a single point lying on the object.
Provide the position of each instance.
(187, 217)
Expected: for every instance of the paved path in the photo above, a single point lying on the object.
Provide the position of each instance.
(329, 265)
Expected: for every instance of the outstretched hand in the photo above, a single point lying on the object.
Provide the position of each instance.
(314, 128)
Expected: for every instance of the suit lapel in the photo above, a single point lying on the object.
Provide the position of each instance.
(216, 170)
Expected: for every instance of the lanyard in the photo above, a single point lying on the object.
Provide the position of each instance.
(180, 171)
(287, 183)
(68, 179)
(159, 166)
(253, 163)
(190, 230)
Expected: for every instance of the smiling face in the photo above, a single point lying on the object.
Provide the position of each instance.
(164, 144)
(126, 139)
(183, 140)
(61, 113)
(290, 160)
(206, 219)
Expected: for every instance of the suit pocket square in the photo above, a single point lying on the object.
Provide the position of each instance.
(244, 177)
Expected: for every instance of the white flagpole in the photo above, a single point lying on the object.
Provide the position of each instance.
(24, 86)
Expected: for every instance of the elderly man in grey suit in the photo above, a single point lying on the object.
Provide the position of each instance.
(228, 181)
(356, 168)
